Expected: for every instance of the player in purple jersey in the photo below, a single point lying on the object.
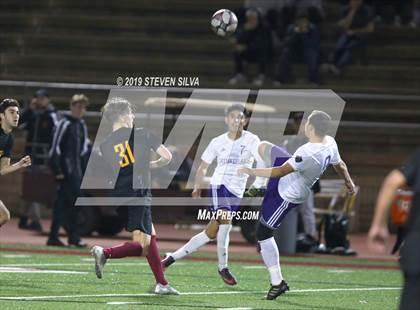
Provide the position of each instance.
(290, 184)
(231, 150)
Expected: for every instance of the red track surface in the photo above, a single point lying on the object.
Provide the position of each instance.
(171, 238)
(211, 259)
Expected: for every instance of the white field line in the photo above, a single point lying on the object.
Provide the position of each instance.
(322, 290)
(340, 271)
(76, 264)
(124, 303)
(15, 255)
(25, 270)
(234, 308)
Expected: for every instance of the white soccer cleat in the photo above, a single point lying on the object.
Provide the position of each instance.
(100, 260)
(165, 290)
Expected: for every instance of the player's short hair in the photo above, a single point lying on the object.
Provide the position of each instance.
(235, 107)
(76, 98)
(115, 108)
(321, 122)
(6, 103)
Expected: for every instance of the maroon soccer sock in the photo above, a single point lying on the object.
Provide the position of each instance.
(154, 262)
(124, 250)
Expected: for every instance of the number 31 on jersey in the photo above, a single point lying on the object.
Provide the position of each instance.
(125, 152)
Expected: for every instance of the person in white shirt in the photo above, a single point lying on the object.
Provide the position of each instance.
(233, 149)
(292, 179)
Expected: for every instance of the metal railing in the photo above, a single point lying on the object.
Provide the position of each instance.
(350, 96)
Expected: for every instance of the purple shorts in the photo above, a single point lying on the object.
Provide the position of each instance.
(274, 208)
(223, 199)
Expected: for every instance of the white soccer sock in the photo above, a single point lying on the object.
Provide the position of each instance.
(191, 246)
(271, 258)
(223, 244)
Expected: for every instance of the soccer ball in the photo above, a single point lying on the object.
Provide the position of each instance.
(224, 22)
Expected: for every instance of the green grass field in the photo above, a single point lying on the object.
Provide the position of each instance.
(127, 283)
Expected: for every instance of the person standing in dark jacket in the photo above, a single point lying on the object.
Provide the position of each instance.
(67, 155)
(39, 121)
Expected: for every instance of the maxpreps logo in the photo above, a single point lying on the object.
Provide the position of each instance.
(199, 118)
(206, 215)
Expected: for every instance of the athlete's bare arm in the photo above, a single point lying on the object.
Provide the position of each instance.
(274, 172)
(165, 157)
(343, 172)
(378, 232)
(4, 214)
(6, 167)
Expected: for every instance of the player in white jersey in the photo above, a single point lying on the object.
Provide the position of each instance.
(290, 184)
(233, 149)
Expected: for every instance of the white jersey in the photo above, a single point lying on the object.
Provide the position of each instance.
(232, 154)
(309, 162)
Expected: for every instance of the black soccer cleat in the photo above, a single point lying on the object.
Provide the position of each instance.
(167, 261)
(276, 290)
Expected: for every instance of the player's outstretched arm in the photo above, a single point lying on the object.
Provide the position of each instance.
(378, 232)
(199, 179)
(165, 157)
(343, 172)
(6, 167)
(274, 172)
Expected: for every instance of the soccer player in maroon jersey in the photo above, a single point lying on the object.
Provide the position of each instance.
(121, 154)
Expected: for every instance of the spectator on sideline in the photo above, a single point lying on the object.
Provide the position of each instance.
(68, 157)
(39, 121)
(357, 24)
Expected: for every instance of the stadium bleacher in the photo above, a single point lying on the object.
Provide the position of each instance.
(96, 41)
